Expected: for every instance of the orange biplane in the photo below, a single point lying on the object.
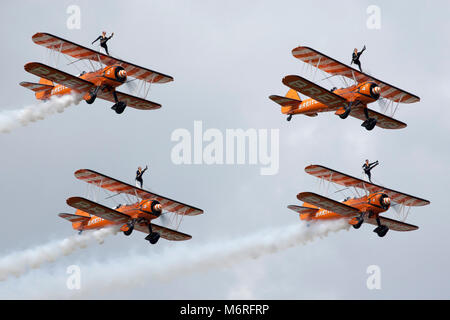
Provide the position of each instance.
(357, 210)
(101, 83)
(351, 100)
(138, 215)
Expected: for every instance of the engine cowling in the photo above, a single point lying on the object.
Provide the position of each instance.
(153, 207)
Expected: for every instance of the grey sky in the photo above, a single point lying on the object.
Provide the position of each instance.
(226, 59)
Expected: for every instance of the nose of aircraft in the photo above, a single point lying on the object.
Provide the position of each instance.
(122, 73)
(158, 207)
(387, 200)
(377, 90)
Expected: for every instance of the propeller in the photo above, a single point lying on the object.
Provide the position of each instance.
(165, 219)
(131, 86)
(382, 104)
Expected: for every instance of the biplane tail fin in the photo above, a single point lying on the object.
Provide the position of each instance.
(47, 82)
(290, 102)
(41, 90)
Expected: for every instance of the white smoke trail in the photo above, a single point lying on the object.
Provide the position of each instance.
(18, 263)
(131, 271)
(12, 119)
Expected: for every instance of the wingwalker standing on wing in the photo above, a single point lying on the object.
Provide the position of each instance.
(139, 174)
(355, 57)
(369, 166)
(103, 40)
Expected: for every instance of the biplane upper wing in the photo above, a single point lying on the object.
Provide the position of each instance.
(164, 232)
(314, 91)
(132, 101)
(302, 210)
(392, 224)
(97, 210)
(117, 186)
(58, 76)
(334, 176)
(383, 121)
(334, 67)
(327, 204)
(79, 52)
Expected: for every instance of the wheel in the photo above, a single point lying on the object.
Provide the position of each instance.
(91, 99)
(370, 123)
(129, 231)
(119, 107)
(359, 224)
(153, 237)
(92, 95)
(289, 117)
(348, 109)
(381, 231)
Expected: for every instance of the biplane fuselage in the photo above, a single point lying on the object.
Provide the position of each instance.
(362, 93)
(372, 204)
(107, 78)
(145, 209)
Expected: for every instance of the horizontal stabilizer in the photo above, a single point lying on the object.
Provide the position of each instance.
(284, 101)
(36, 87)
(303, 210)
(73, 217)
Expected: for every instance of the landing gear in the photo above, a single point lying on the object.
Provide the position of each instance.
(348, 108)
(153, 237)
(92, 95)
(119, 106)
(289, 117)
(370, 123)
(380, 230)
(130, 226)
(360, 222)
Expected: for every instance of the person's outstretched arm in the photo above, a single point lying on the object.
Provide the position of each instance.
(96, 39)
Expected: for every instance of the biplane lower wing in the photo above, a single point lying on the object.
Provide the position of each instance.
(114, 185)
(97, 210)
(36, 87)
(80, 52)
(392, 224)
(58, 76)
(327, 204)
(312, 90)
(303, 210)
(166, 233)
(383, 121)
(345, 180)
(131, 101)
(334, 67)
(73, 217)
